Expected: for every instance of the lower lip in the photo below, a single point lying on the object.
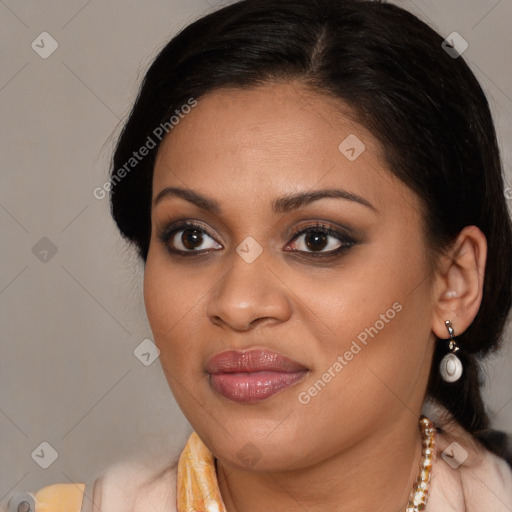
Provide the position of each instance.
(254, 386)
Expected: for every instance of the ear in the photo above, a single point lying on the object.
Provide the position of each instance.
(459, 280)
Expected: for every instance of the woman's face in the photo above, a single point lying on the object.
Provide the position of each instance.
(351, 308)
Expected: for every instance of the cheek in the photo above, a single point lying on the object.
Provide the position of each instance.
(357, 298)
(172, 304)
(378, 316)
(173, 307)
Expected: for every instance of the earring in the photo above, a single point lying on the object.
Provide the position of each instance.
(451, 367)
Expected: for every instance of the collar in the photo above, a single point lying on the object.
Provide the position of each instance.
(197, 487)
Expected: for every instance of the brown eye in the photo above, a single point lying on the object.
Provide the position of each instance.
(191, 238)
(187, 238)
(315, 239)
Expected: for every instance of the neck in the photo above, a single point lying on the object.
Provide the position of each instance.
(376, 474)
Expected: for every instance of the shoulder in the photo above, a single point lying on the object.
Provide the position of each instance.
(466, 477)
(124, 486)
(135, 486)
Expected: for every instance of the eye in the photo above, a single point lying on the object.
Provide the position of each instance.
(187, 237)
(191, 239)
(321, 239)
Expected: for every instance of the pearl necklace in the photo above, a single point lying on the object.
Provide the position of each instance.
(419, 493)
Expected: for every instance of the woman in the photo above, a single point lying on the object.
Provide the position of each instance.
(315, 189)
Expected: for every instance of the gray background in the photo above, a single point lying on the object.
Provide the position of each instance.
(70, 324)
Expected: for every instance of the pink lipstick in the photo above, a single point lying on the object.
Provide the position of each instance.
(252, 375)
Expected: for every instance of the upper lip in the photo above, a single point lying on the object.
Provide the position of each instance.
(253, 360)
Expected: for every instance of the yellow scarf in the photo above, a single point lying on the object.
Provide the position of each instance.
(198, 488)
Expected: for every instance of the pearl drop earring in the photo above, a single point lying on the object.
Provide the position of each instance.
(450, 366)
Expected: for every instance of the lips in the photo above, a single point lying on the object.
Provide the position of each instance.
(251, 361)
(252, 375)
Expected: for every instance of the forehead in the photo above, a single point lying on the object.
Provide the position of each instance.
(271, 139)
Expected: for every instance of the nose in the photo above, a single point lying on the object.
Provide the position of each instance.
(249, 295)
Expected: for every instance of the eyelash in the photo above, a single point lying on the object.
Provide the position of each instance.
(347, 242)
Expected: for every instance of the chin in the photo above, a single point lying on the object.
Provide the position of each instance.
(247, 454)
(258, 444)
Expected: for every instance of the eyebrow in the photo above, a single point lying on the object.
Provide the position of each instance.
(282, 204)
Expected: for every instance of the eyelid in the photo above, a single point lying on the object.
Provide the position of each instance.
(323, 225)
(181, 223)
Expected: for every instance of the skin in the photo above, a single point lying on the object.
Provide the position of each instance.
(244, 148)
